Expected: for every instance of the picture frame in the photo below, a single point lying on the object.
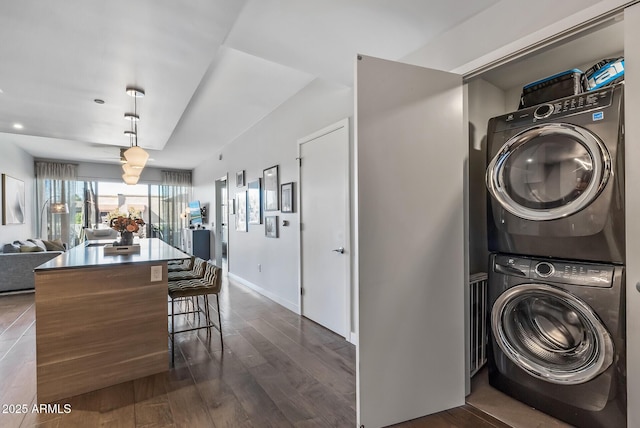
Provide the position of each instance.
(286, 198)
(241, 211)
(271, 226)
(13, 200)
(271, 181)
(254, 196)
(240, 178)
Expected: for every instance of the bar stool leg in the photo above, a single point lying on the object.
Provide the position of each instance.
(207, 316)
(173, 329)
(219, 321)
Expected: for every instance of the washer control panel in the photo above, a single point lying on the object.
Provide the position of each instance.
(594, 102)
(552, 270)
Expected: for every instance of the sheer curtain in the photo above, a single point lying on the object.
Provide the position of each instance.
(58, 183)
(174, 195)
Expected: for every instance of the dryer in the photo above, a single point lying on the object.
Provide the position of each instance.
(557, 337)
(555, 179)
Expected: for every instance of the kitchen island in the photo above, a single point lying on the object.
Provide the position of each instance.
(101, 319)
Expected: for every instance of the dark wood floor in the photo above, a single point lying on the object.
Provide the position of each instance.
(277, 370)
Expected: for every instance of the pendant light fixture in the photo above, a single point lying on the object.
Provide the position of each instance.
(136, 156)
(131, 175)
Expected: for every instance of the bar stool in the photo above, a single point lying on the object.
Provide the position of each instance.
(210, 283)
(196, 272)
(180, 265)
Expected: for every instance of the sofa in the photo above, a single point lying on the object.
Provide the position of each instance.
(20, 258)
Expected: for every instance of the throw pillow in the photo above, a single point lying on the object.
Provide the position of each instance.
(56, 245)
(24, 243)
(102, 232)
(11, 248)
(30, 249)
(38, 243)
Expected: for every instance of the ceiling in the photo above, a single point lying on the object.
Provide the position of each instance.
(211, 69)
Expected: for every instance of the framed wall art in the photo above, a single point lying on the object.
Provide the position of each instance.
(270, 180)
(13, 200)
(241, 211)
(240, 178)
(254, 195)
(286, 198)
(271, 226)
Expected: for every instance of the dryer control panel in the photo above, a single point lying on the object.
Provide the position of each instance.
(563, 107)
(553, 270)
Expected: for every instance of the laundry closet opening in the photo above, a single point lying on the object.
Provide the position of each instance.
(539, 239)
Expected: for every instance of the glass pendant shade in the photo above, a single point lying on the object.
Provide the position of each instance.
(136, 157)
(129, 170)
(130, 179)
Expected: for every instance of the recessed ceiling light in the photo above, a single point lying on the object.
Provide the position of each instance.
(98, 101)
(18, 126)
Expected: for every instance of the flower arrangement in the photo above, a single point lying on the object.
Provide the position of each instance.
(126, 224)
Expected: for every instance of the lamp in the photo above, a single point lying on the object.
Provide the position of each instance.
(136, 156)
(54, 208)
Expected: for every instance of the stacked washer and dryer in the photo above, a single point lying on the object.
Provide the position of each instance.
(556, 231)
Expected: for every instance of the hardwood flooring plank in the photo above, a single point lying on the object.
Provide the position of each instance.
(152, 409)
(327, 402)
(334, 360)
(243, 350)
(297, 407)
(258, 405)
(335, 380)
(18, 375)
(11, 309)
(185, 401)
(223, 406)
(15, 330)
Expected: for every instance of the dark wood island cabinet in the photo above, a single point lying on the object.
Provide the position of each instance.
(101, 319)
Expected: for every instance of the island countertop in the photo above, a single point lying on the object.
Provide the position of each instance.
(91, 254)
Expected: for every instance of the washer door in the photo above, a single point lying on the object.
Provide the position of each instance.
(549, 171)
(551, 334)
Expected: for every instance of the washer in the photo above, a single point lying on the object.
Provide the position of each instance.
(555, 178)
(557, 337)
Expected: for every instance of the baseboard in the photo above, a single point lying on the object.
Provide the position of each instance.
(266, 293)
(353, 338)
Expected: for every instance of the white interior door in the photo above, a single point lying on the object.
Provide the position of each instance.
(222, 219)
(324, 218)
(410, 160)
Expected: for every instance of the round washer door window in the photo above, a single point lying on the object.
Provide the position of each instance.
(549, 171)
(551, 334)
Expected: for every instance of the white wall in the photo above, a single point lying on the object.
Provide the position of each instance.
(19, 164)
(273, 141)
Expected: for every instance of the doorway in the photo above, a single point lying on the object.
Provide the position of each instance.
(325, 228)
(221, 223)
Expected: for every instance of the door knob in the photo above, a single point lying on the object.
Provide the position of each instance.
(339, 250)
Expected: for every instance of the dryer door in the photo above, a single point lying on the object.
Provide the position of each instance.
(551, 334)
(549, 171)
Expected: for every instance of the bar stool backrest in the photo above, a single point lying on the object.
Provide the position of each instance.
(198, 267)
(213, 276)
